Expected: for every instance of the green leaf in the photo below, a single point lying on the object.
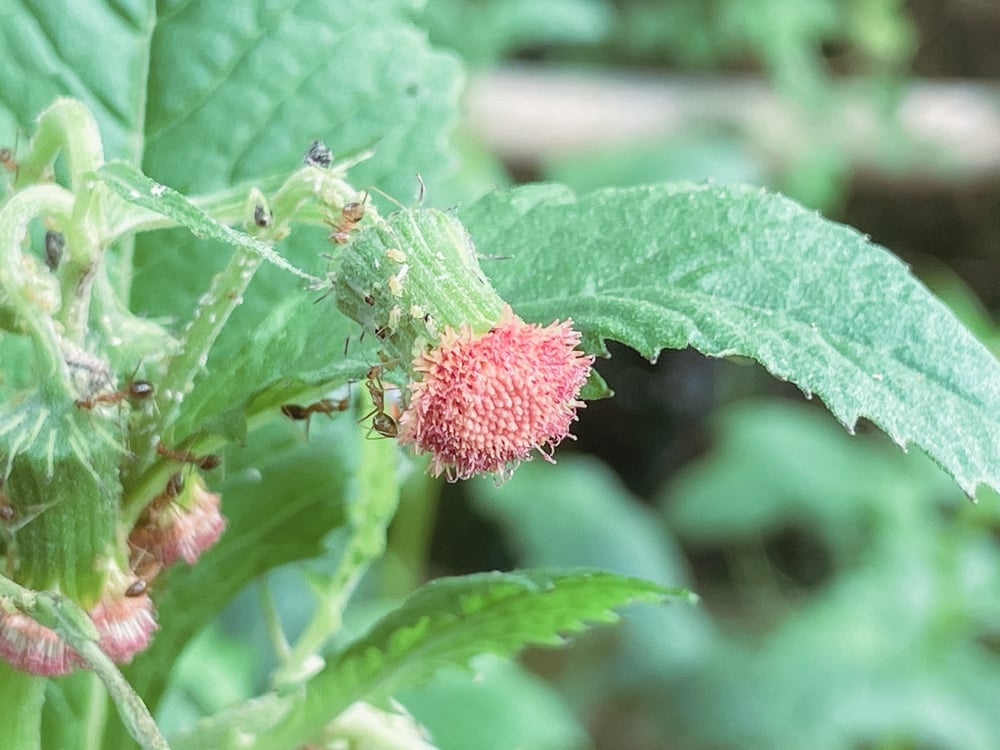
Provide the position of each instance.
(446, 623)
(737, 271)
(137, 189)
(239, 91)
(577, 513)
(43, 58)
(253, 85)
(297, 349)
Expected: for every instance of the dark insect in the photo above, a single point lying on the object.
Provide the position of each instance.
(174, 485)
(137, 588)
(207, 462)
(261, 216)
(382, 422)
(350, 215)
(136, 390)
(55, 243)
(325, 406)
(318, 155)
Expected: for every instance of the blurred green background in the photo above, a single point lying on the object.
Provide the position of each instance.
(850, 593)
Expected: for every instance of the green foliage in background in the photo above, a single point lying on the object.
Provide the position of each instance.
(208, 107)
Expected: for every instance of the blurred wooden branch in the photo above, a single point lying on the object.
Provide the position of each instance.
(942, 131)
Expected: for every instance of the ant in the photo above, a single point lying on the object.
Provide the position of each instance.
(350, 215)
(207, 462)
(382, 423)
(324, 406)
(136, 390)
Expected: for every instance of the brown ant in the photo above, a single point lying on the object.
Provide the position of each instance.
(382, 423)
(350, 215)
(324, 406)
(207, 462)
(136, 390)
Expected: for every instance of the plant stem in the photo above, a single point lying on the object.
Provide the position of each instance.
(223, 296)
(22, 695)
(73, 625)
(369, 515)
(16, 279)
(66, 124)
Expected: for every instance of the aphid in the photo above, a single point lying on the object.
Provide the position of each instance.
(55, 243)
(324, 406)
(207, 462)
(318, 155)
(350, 215)
(135, 390)
(382, 423)
(396, 280)
(261, 215)
(394, 315)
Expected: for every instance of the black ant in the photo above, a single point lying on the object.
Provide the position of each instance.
(382, 423)
(350, 215)
(136, 390)
(207, 462)
(324, 406)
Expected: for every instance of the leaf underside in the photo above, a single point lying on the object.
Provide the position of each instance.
(738, 271)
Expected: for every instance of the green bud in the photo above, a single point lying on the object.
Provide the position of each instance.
(63, 488)
(408, 276)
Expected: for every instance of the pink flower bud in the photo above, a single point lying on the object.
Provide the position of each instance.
(181, 528)
(34, 648)
(481, 403)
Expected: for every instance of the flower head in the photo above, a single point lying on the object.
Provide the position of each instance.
(34, 648)
(484, 402)
(181, 528)
(125, 624)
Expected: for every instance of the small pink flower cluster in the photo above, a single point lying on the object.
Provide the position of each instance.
(169, 530)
